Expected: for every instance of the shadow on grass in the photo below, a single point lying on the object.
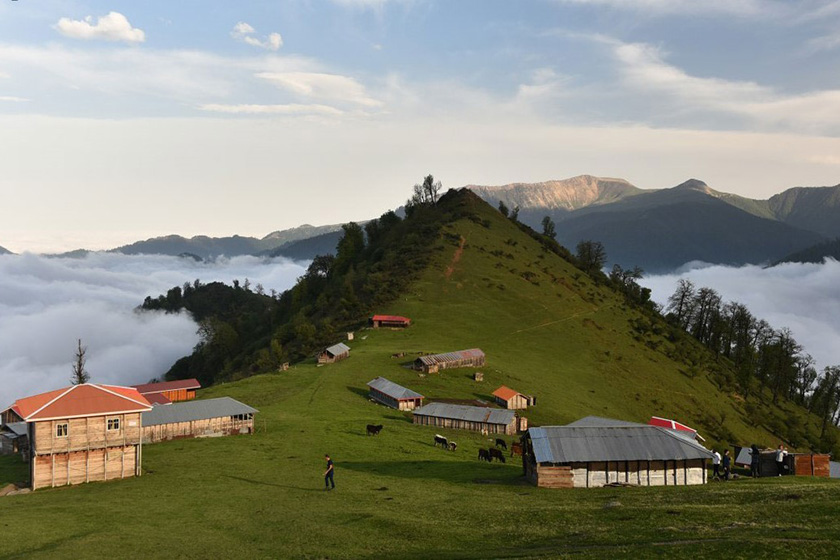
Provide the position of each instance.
(447, 471)
(359, 391)
(263, 483)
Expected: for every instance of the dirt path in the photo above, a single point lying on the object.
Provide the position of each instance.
(566, 318)
(455, 258)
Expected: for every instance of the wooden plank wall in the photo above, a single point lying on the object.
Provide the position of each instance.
(197, 428)
(598, 474)
(86, 433)
(77, 467)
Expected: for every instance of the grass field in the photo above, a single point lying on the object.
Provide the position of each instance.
(547, 333)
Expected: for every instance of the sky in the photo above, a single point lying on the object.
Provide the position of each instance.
(123, 120)
(48, 304)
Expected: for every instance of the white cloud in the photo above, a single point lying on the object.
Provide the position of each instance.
(245, 33)
(823, 43)
(12, 98)
(111, 27)
(750, 8)
(317, 85)
(824, 159)
(802, 297)
(288, 109)
(46, 304)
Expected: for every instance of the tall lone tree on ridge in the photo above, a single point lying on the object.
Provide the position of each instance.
(80, 376)
(591, 255)
(548, 227)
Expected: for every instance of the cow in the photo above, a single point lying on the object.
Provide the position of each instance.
(484, 455)
(453, 446)
(496, 454)
(516, 449)
(440, 440)
(373, 430)
(501, 443)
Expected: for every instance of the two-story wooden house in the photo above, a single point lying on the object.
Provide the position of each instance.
(82, 433)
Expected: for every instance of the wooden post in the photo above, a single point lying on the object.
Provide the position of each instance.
(648, 473)
(52, 456)
(587, 475)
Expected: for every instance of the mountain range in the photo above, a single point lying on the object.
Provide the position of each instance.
(663, 229)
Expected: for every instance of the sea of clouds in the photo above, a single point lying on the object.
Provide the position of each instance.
(802, 297)
(47, 304)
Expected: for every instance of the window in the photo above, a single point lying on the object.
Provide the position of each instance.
(113, 424)
(62, 429)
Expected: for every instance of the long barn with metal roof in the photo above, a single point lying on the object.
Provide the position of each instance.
(476, 418)
(201, 418)
(433, 363)
(393, 395)
(598, 451)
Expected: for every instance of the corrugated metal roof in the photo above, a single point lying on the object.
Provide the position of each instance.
(393, 390)
(566, 444)
(337, 349)
(467, 413)
(195, 410)
(18, 428)
(600, 422)
(432, 359)
(391, 318)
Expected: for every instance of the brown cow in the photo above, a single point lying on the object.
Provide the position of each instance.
(496, 454)
(516, 449)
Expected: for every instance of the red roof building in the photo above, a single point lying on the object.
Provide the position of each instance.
(172, 391)
(390, 321)
(510, 399)
(82, 433)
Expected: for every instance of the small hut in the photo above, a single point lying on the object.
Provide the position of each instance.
(596, 452)
(513, 400)
(334, 353)
(393, 395)
(202, 418)
(462, 417)
(390, 322)
(433, 363)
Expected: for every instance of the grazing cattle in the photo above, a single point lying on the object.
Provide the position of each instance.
(496, 454)
(453, 446)
(501, 443)
(439, 439)
(484, 455)
(373, 430)
(516, 449)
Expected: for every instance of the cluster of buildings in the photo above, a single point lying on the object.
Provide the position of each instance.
(92, 431)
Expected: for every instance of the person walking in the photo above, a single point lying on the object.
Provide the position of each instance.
(727, 464)
(329, 473)
(715, 464)
(781, 455)
(755, 461)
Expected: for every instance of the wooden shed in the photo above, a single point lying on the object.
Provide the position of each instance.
(334, 353)
(433, 363)
(799, 464)
(462, 417)
(203, 418)
(14, 438)
(83, 433)
(166, 392)
(393, 395)
(600, 451)
(390, 321)
(508, 398)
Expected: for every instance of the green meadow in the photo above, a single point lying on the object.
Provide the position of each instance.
(547, 330)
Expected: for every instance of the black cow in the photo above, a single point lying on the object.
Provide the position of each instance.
(484, 455)
(440, 440)
(373, 430)
(501, 443)
(496, 454)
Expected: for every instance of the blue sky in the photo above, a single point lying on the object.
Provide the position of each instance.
(124, 120)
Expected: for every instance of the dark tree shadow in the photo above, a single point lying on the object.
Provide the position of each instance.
(263, 483)
(447, 471)
(359, 391)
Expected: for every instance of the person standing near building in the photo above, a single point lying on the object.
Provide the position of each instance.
(781, 455)
(727, 464)
(329, 473)
(715, 464)
(755, 461)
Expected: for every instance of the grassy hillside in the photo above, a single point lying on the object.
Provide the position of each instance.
(547, 330)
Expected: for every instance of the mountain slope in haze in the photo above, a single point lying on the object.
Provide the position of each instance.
(4, 251)
(812, 208)
(562, 195)
(815, 254)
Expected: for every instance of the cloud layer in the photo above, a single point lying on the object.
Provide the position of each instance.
(111, 27)
(46, 304)
(802, 297)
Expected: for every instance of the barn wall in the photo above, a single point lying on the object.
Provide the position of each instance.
(509, 429)
(555, 476)
(598, 474)
(61, 469)
(86, 433)
(224, 425)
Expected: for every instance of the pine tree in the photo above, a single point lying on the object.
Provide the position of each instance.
(80, 376)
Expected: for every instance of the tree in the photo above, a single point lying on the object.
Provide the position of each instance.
(548, 227)
(426, 193)
(514, 214)
(591, 255)
(80, 376)
(680, 300)
(504, 209)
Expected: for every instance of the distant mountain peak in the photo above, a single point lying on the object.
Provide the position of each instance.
(565, 194)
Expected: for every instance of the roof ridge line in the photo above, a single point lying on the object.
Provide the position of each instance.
(103, 388)
(50, 402)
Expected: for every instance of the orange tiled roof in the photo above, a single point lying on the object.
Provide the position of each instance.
(505, 393)
(76, 401)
